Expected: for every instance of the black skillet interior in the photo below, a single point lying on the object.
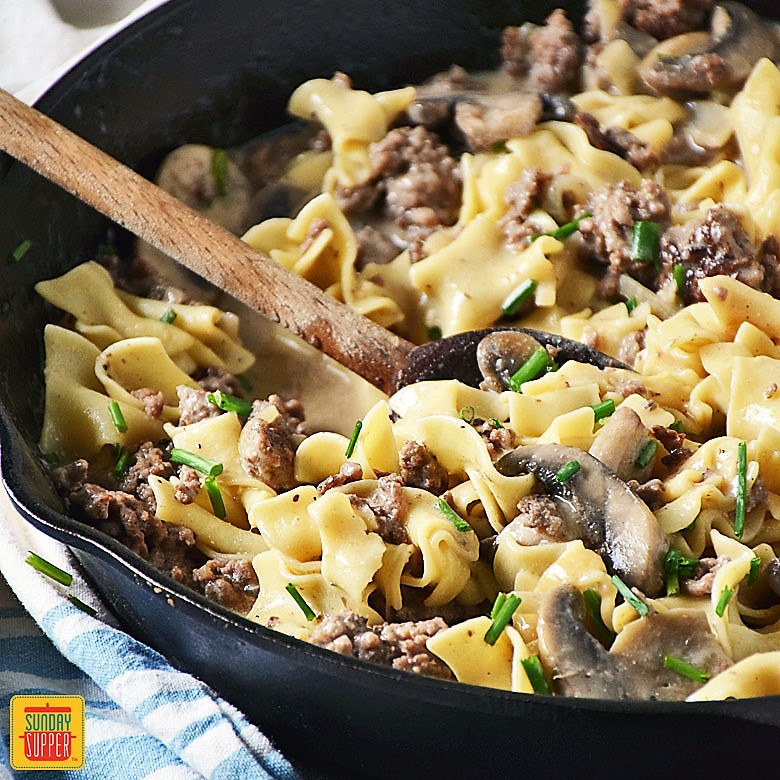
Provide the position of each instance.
(220, 73)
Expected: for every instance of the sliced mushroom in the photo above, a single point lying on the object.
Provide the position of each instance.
(720, 59)
(634, 666)
(500, 354)
(619, 442)
(611, 519)
(487, 120)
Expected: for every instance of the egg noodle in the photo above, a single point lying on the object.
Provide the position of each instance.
(702, 396)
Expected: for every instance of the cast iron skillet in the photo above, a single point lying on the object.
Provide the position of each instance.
(220, 73)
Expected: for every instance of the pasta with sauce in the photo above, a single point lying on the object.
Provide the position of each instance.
(565, 528)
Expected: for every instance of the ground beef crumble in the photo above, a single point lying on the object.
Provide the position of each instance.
(148, 460)
(231, 582)
(388, 505)
(400, 645)
(421, 469)
(665, 18)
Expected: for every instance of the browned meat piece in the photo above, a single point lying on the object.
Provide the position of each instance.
(217, 378)
(700, 583)
(194, 405)
(315, 228)
(664, 18)
(348, 472)
(551, 54)
(189, 485)
(400, 645)
(149, 460)
(719, 244)
(630, 346)
(651, 492)
(231, 582)
(521, 198)
(487, 120)
(414, 179)
(497, 438)
(674, 443)
(268, 441)
(421, 469)
(621, 142)
(152, 400)
(608, 231)
(772, 573)
(389, 506)
(71, 476)
(538, 521)
(373, 246)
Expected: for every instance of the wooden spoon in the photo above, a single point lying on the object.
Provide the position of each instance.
(212, 252)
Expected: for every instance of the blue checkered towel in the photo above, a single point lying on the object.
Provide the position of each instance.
(144, 719)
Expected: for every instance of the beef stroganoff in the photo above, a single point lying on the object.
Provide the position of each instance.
(562, 528)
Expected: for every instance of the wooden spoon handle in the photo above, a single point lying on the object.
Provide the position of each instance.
(199, 244)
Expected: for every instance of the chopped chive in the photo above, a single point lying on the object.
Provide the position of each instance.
(219, 170)
(518, 298)
(646, 454)
(353, 439)
(723, 601)
(565, 230)
(566, 472)
(755, 570)
(434, 333)
(630, 596)
(678, 426)
(645, 242)
(536, 365)
(502, 617)
(631, 304)
(452, 516)
(496, 423)
(116, 416)
(300, 601)
(741, 500)
(230, 403)
(77, 602)
(497, 604)
(675, 566)
(679, 271)
(168, 316)
(684, 669)
(536, 676)
(467, 414)
(596, 623)
(20, 251)
(603, 409)
(499, 147)
(122, 461)
(215, 496)
(49, 569)
(187, 458)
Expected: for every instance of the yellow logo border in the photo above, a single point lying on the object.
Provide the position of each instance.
(41, 699)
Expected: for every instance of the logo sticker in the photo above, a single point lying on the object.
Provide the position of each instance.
(47, 732)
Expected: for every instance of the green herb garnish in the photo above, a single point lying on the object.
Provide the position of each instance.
(755, 570)
(502, 617)
(204, 466)
(741, 499)
(353, 439)
(566, 472)
(219, 170)
(467, 414)
(679, 271)
(604, 409)
(565, 230)
(646, 454)
(596, 623)
(678, 427)
(499, 147)
(168, 316)
(300, 601)
(630, 596)
(536, 676)
(116, 416)
(684, 669)
(497, 604)
(215, 496)
(77, 602)
(645, 242)
(434, 333)
(536, 365)
(452, 516)
(518, 298)
(723, 601)
(123, 456)
(20, 251)
(676, 565)
(631, 304)
(230, 403)
(49, 569)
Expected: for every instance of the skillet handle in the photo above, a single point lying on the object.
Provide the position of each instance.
(199, 244)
